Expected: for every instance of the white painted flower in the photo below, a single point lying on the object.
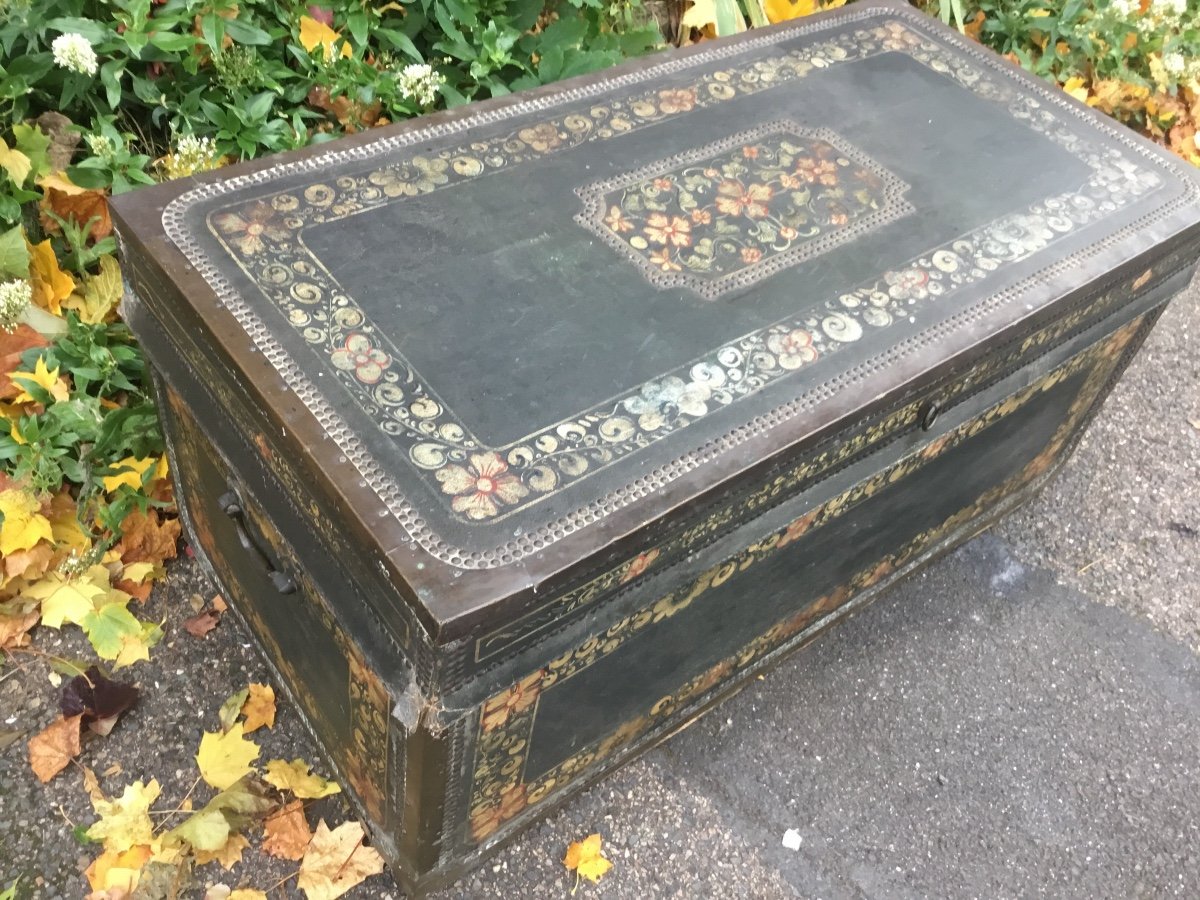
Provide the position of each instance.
(72, 51)
(656, 400)
(418, 82)
(15, 297)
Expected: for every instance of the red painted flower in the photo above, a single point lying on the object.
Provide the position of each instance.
(793, 348)
(736, 199)
(247, 227)
(481, 485)
(358, 356)
(640, 564)
(675, 230)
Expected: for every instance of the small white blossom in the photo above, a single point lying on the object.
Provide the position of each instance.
(1126, 9)
(15, 297)
(418, 81)
(1175, 64)
(1168, 9)
(72, 51)
(191, 155)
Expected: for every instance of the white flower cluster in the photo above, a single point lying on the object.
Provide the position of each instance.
(191, 155)
(72, 51)
(1126, 9)
(15, 297)
(419, 82)
(1168, 9)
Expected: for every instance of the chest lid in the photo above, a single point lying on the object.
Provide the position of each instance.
(522, 330)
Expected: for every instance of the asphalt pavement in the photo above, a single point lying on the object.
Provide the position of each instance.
(1020, 719)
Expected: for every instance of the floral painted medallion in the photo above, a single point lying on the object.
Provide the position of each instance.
(734, 212)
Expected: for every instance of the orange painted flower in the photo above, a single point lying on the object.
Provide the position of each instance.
(487, 818)
(662, 259)
(481, 486)
(701, 216)
(750, 152)
(674, 231)
(676, 100)
(664, 184)
(736, 199)
(751, 255)
(816, 171)
(518, 698)
(616, 220)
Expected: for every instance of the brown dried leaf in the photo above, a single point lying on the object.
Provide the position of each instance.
(202, 623)
(74, 203)
(28, 564)
(52, 751)
(287, 833)
(219, 603)
(147, 537)
(12, 345)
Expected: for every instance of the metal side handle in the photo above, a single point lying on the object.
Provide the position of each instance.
(231, 505)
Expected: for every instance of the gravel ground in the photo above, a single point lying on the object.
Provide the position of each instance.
(1122, 520)
(1019, 720)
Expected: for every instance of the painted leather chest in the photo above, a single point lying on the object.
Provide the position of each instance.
(522, 433)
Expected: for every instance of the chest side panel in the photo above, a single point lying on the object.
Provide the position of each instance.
(711, 625)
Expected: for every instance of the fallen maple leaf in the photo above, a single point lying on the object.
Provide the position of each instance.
(336, 861)
(147, 537)
(232, 708)
(116, 871)
(29, 564)
(224, 758)
(228, 855)
(100, 295)
(52, 750)
(259, 708)
(295, 776)
(42, 377)
(12, 345)
(202, 623)
(586, 859)
(51, 285)
(14, 629)
(247, 894)
(69, 201)
(314, 34)
(23, 525)
(125, 821)
(286, 832)
(99, 699)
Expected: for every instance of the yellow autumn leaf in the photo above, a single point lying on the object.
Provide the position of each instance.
(259, 708)
(138, 572)
(100, 295)
(24, 525)
(1077, 88)
(247, 894)
(47, 379)
(223, 758)
(64, 522)
(117, 871)
(51, 285)
(294, 776)
(336, 861)
(717, 18)
(782, 10)
(130, 471)
(586, 859)
(15, 163)
(314, 34)
(229, 854)
(65, 599)
(125, 821)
